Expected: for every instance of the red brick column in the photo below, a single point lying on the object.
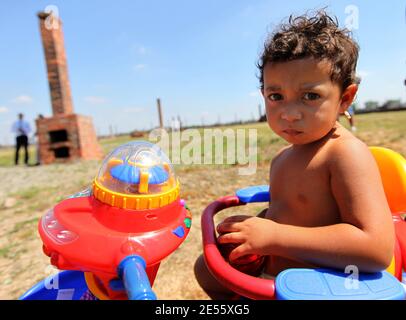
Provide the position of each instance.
(80, 139)
(54, 49)
(65, 136)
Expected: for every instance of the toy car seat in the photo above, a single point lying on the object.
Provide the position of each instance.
(316, 283)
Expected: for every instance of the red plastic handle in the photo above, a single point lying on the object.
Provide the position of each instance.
(241, 283)
(400, 228)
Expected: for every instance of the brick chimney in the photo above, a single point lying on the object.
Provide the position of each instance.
(64, 136)
(54, 49)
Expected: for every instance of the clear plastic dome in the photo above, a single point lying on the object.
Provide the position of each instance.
(137, 168)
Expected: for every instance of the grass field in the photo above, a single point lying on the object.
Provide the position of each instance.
(26, 192)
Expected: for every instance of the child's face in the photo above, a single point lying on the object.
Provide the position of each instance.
(302, 103)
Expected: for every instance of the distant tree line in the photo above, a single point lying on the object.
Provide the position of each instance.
(374, 106)
(370, 106)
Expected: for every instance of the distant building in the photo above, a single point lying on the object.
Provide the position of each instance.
(391, 105)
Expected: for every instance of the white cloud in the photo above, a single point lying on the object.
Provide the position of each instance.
(248, 10)
(101, 86)
(23, 99)
(95, 100)
(246, 34)
(140, 66)
(142, 50)
(363, 73)
(122, 37)
(133, 109)
(254, 93)
(139, 49)
(3, 109)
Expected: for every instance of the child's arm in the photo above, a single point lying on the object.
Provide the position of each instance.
(364, 238)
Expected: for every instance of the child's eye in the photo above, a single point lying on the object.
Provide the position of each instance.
(311, 96)
(275, 97)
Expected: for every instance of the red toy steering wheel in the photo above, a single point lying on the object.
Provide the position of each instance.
(239, 282)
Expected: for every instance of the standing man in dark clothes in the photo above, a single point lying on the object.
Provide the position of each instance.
(21, 128)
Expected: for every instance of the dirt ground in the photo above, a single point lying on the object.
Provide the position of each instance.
(27, 192)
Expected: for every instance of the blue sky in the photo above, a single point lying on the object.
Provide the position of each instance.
(197, 56)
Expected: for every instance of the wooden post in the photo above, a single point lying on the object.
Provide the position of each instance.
(158, 101)
(260, 111)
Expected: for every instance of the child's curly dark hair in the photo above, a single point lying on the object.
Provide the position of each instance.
(319, 37)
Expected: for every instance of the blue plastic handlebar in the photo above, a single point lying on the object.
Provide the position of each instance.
(132, 271)
(254, 194)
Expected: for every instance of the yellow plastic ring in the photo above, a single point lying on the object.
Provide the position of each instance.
(94, 288)
(136, 202)
(391, 269)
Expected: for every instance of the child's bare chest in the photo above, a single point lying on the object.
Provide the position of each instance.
(301, 192)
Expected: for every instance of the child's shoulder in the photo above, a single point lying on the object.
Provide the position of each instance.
(346, 144)
(348, 150)
(280, 153)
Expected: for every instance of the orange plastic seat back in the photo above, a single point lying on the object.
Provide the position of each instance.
(392, 167)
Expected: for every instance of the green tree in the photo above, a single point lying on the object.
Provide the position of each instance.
(371, 105)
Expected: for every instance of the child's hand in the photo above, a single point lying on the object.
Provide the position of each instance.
(253, 234)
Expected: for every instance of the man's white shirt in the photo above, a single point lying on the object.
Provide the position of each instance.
(21, 127)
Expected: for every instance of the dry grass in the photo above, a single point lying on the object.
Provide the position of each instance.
(22, 262)
(27, 192)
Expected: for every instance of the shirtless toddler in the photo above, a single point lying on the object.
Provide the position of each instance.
(328, 205)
